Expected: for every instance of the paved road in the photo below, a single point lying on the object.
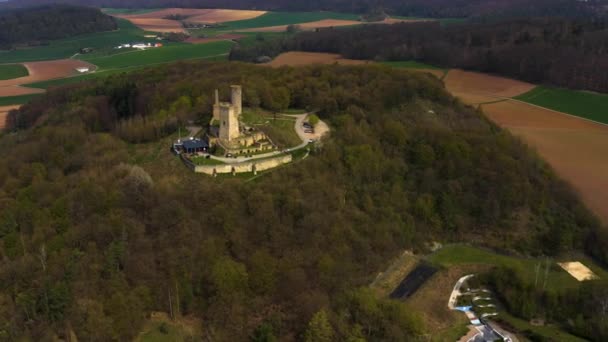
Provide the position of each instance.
(456, 291)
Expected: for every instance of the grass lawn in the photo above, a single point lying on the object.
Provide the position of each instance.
(16, 100)
(65, 48)
(206, 161)
(587, 105)
(280, 130)
(10, 71)
(452, 255)
(161, 55)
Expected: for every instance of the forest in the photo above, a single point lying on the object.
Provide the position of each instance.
(417, 8)
(582, 310)
(97, 232)
(40, 24)
(562, 52)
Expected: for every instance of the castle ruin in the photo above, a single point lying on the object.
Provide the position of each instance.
(227, 130)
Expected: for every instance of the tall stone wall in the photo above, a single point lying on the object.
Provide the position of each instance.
(237, 98)
(244, 167)
(229, 122)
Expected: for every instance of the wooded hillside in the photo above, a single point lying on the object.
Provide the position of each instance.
(419, 8)
(96, 233)
(562, 52)
(38, 25)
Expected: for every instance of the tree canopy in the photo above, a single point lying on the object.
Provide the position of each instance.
(97, 232)
(38, 25)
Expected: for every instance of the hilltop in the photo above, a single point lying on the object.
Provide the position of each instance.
(122, 229)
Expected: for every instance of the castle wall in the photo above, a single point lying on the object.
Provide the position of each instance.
(229, 123)
(244, 167)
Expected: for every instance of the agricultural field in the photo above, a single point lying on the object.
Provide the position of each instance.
(575, 148)
(161, 55)
(587, 105)
(66, 48)
(39, 71)
(16, 100)
(285, 18)
(10, 71)
(477, 88)
(295, 58)
(169, 19)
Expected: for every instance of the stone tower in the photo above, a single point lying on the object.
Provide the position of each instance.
(229, 122)
(237, 98)
(216, 106)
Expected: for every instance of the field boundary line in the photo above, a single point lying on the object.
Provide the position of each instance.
(556, 111)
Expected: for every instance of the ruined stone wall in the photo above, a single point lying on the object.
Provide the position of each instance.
(229, 123)
(244, 167)
(237, 98)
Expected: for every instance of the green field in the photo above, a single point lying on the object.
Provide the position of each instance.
(10, 71)
(285, 18)
(161, 55)
(65, 48)
(587, 105)
(558, 279)
(16, 100)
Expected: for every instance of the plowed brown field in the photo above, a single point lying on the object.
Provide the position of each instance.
(307, 58)
(574, 147)
(475, 88)
(41, 71)
(155, 21)
(158, 25)
(4, 112)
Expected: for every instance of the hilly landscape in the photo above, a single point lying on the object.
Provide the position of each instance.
(202, 170)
